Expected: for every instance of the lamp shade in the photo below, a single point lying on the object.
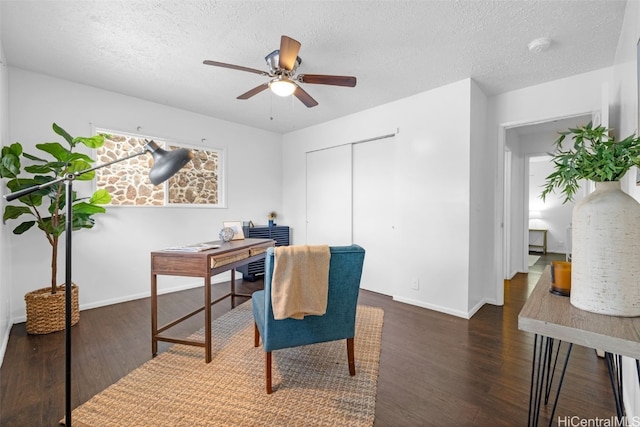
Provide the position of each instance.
(282, 87)
(166, 163)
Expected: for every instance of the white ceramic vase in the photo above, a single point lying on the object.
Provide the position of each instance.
(605, 272)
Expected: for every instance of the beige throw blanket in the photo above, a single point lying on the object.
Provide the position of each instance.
(300, 281)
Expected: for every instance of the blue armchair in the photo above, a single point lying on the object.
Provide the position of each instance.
(345, 270)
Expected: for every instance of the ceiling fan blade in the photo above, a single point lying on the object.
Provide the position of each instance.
(289, 49)
(256, 90)
(235, 67)
(322, 79)
(305, 97)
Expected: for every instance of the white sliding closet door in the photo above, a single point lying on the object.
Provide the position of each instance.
(373, 211)
(329, 196)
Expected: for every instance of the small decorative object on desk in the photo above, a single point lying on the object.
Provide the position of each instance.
(236, 227)
(605, 234)
(272, 217)
(226, 234)
(560, 278)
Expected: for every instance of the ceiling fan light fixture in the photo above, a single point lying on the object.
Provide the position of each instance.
(282, 87)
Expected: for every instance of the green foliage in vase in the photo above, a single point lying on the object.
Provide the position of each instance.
(594, 155)
(50, 217)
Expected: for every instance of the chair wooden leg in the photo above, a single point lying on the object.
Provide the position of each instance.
(351, 357)
(268, 370)
(256, 335)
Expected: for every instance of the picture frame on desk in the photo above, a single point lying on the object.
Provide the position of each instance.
(236, 226)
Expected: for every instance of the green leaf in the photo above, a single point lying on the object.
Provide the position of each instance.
(40, 169)
(100, 197)
(95, 141)
(15, 149)
(82, 221)
(10, 165)
(23, 227)
(87, 208)
(34, 158)
(10, 160)
(80, 156)
(13, 212)
(79, 166)
(56, 150)
(63, 133)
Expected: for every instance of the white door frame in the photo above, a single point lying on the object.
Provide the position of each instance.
(506, 222)
(504, 196)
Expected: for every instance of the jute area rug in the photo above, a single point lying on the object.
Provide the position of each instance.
(312, 385)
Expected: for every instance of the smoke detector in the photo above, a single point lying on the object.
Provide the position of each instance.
(539, 45)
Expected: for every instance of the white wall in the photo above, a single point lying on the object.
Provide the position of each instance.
(571, 96)
(624, 118)
(5, 253)
(111, 261)
(517, 240)
(432, 174)
(481, 212)
(554, 215)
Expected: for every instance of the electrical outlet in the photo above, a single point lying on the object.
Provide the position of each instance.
(415, 284)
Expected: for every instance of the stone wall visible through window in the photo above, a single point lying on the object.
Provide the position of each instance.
(197, 182)
(128, 181)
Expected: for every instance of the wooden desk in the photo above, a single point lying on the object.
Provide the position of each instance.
(205, 264)
(553, 317)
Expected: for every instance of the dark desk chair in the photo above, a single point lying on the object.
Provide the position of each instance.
(345, 270)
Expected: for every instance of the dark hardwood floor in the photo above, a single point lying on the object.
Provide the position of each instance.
(435, 369)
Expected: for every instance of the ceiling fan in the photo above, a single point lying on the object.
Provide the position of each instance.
(282, 71)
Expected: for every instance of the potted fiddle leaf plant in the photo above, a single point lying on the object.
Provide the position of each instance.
(45, 209)
(605, 238)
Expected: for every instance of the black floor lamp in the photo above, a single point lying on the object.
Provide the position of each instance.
(165, 165)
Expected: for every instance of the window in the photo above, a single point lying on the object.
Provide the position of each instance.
(199, 183)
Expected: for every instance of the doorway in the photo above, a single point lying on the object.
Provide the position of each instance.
(523, 142)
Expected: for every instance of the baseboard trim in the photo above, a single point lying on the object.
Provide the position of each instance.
(131, 297)
(468, 315)
(5, 341)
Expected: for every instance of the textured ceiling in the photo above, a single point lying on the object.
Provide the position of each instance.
(154, 49)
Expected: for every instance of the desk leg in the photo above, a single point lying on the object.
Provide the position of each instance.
(614, 366)
(207, 318)
(233, 288)
(542, 373)
(564, 371)
(154, 314)
(535, 391)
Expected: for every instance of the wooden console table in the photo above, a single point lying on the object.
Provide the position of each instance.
(551, 317)
(538, 240)
(205, 264)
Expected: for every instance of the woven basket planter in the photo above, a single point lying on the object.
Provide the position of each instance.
(46, 311)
